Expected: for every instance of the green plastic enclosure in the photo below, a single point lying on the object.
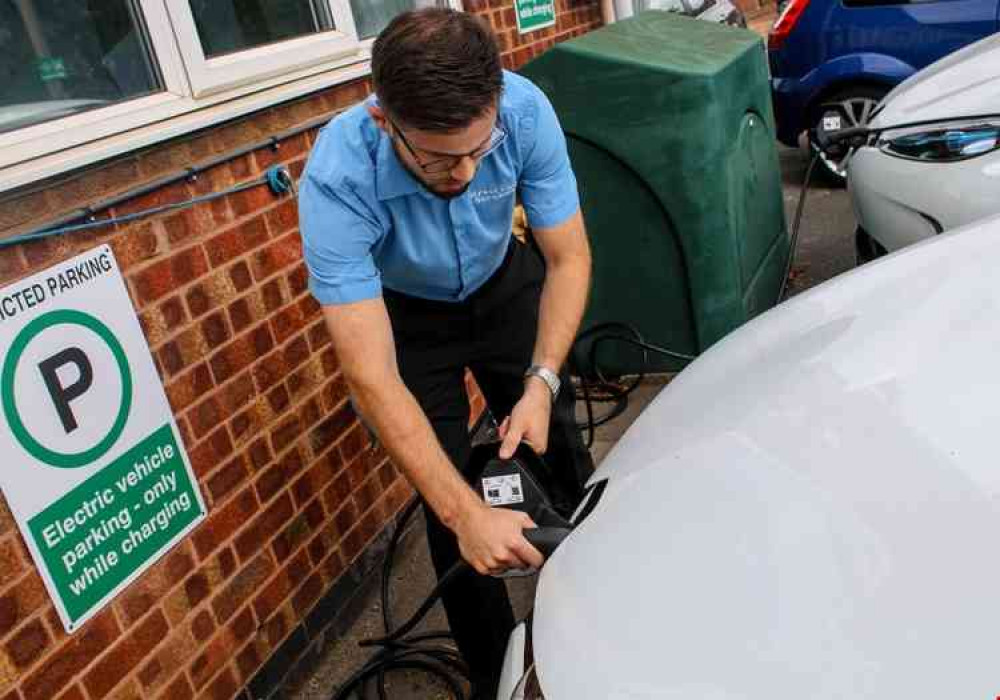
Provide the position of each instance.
(671, 136)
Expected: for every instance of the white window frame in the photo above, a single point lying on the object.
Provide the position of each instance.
(198, 92)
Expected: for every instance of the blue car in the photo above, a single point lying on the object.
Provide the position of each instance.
(850, 53)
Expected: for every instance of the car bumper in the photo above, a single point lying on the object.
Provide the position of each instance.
(513, 663)
(881, 190)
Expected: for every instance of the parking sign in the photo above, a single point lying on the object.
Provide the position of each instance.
(94, 471)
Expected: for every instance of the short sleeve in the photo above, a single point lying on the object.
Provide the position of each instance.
(547, 185)
(338, 235)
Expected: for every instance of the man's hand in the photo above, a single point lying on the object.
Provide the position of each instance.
(529, 421)
(492, 541)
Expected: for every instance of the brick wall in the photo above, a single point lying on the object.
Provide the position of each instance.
(296, 499)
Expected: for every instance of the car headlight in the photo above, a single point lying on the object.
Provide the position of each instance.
(942, 143)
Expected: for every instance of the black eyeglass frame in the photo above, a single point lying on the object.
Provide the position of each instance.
(441, 166)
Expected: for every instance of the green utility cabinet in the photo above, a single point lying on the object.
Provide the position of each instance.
(671, 135)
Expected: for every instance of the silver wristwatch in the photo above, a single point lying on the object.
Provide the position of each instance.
(550, 378)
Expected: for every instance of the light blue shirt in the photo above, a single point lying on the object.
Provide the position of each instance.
(366, 222)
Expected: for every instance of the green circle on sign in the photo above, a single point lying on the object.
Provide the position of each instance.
(35, 448)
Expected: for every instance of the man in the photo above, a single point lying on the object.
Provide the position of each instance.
(406, 206)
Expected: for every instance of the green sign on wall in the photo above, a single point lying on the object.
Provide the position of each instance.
(534, 14)
(92, 470)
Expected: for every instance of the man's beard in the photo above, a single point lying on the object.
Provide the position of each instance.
(449, 195)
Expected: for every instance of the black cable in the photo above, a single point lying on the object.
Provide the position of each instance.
(592, 378)
(422, 652)
(799, 210)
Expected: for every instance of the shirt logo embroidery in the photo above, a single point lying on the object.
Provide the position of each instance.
(491, 194)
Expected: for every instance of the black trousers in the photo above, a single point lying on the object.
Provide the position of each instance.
(493, 334)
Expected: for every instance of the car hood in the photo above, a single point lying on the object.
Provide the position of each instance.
(963, 84)
(809, 510)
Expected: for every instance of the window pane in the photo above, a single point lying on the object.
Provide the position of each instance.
(60, 57)
(371, 16)
(225, 26)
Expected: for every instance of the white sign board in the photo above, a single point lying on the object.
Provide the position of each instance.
(94, 470)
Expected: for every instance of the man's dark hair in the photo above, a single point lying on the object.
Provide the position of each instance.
(436, 69)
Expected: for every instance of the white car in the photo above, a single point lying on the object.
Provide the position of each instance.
(809, 510)
(914, 182)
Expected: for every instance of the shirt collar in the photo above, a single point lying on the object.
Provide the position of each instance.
(392, 178)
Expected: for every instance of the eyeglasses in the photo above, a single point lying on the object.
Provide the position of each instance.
(441, 166)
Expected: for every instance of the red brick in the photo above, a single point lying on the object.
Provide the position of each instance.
(141, 597)
(273, 295)
(283, 217)
(269, 371)
(330, 362)
(243, 626)
(240, 276)
(311, 483)
(235, 241)
(159, 279)
(287, 323)
(227, 562)
(248, 661)
(212, 658)
(306, 597)
(311, 308)
(173, 313)
(189, 223)
(241, 352)
(240, 314)
(278, 399)
(287, 432)
(74, 693)
(220, 525)
(319, 336)
(354, 443)
(310, 413)
(28, 645)
(331, 429)
(260, 455)
(224, 687)
(241, 588)
(305, 379)
(215, 329)
(337, 493)
(6, 517)
(264, 527)
(251, 200)
(11, 563)
(211, 452)
(227, 479)
(180, 689)
(137, 244)
(298, 280)
(21, 601)
(203, 626)
(125, 656)
(188, 388)
(272, 596)
(237, 393)
(276, 257)
(197, 588)
(57, 672)
(205, 417)
(149, 673)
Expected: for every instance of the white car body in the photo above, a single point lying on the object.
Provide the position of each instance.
(898, 201)
(809, 510)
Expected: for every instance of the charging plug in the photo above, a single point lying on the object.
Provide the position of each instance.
(513, 484)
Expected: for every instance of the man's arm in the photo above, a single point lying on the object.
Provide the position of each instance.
(564, 297)
(489, 539)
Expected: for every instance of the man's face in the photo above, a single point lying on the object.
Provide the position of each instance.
(445, 162)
